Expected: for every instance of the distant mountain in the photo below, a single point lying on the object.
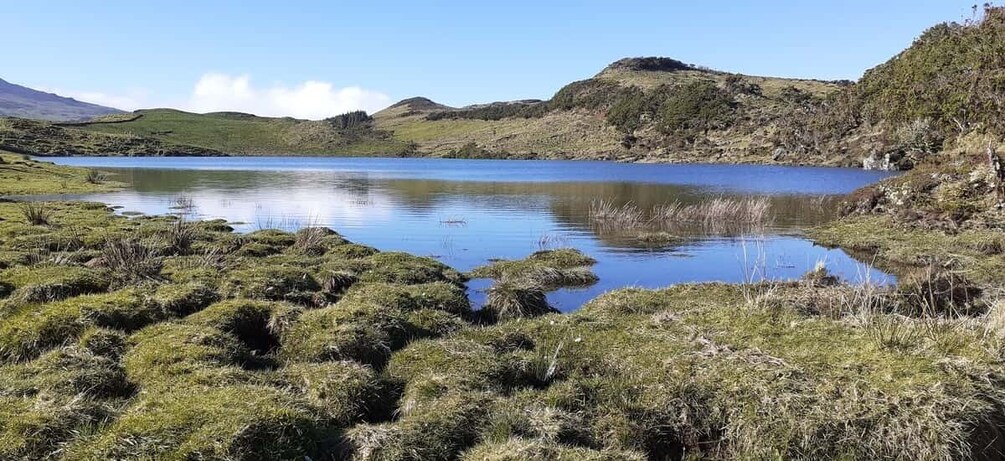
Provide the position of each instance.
(24, 102)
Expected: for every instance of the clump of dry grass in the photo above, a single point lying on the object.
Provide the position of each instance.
(819, 276)
(180, 236)
(718, 215)
(131, 261)
(95, 177)
(337, 282)
(37, 214)
(513, 299)
(310, 240)
(606, 212)
(935, 291)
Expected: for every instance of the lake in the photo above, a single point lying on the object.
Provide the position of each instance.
(468, 212)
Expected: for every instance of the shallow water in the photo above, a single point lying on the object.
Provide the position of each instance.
(466, 212)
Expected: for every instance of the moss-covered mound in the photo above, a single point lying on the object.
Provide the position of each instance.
(521, 285)
(225, 352)
(229, 422)
(324, 349)
(700, 370)
(548, 268)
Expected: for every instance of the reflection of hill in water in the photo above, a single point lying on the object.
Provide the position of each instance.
(568, 202)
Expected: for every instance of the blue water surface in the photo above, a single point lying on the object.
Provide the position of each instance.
(468, 212)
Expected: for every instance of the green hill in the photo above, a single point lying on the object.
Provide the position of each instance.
(239, 133)
(643, 109)
(43, 138)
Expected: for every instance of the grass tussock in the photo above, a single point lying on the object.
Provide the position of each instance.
(36, 214)
(747, 212)
(720, 215)
(549, 269)
(229, 422)
(95, 177)
(131, 261)
(509, 300)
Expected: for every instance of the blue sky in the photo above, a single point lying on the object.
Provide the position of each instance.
(310, 58)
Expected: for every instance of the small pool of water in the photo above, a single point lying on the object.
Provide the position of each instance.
(467, 212)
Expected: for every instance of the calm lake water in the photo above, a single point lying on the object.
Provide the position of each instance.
(467, 212)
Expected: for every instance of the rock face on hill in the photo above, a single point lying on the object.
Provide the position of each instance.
(24, 102)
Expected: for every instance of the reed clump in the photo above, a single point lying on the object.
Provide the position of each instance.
(131, 261)
(720, 215)
(95, 177)
(36, 214)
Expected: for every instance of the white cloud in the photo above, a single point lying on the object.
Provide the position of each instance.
(216, 92)
(311, 99)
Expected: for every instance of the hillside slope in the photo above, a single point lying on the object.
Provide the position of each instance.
(35, 137)
(947, 85)
(641, 109)
(24, 102)
(246, 134)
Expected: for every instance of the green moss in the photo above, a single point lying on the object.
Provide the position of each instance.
(69, 371)
(362, 332)
(272, 237)
(28, 177)
(430, 323)
(346, 392)
(440, 433)
(351, 251)
(403, 268)
(51, 283)
(432, 369)
(517, 449)
(547, 269)
(37, 427)
(199, 269)
(167, 355)
(104, 342)
(55, 241)
(183, 299)
(248, 320)
(229, 422)
(127, 309)
(10, 259)
(437, 295)
(273, 283)
(564, 258)
(257, 250)
(32, 329)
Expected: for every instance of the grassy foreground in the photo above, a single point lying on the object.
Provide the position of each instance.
(153, 338)
(20, 175)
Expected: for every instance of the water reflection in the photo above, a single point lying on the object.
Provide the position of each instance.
(465, 213)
